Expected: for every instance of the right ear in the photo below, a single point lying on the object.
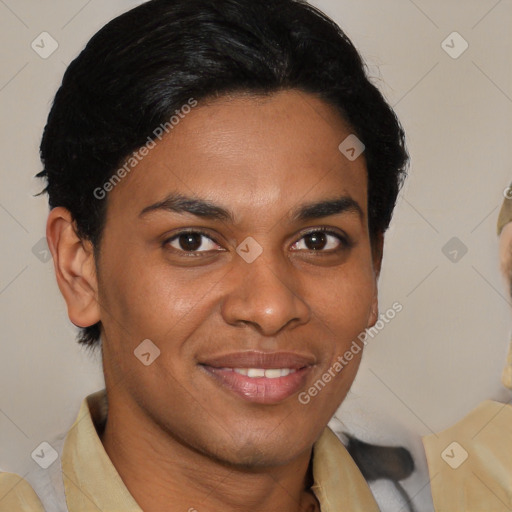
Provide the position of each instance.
(75, 268)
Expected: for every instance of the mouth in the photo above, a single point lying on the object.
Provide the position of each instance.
(259, 377)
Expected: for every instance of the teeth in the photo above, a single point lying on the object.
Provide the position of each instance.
(270, 373)
(273, 373)
(255, 372)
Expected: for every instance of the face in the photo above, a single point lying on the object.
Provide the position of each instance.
(239, 242)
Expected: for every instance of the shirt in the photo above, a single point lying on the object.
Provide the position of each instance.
(83, 478)
(470, 463)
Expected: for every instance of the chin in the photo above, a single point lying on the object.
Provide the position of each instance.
(253, 454)
(254, 458)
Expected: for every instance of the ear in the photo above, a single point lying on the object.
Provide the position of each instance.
(75, 269)
(377, 252)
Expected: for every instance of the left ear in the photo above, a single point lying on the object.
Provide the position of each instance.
(377, 251)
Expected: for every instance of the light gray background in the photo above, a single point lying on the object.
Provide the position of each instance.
(432, 364)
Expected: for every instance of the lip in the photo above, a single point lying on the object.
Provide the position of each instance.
(255, 359)
(260, 390)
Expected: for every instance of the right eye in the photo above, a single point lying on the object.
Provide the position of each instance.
(192, 241)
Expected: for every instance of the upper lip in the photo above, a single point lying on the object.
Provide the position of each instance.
(254, 359)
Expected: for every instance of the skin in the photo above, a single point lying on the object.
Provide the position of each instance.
(173, 433)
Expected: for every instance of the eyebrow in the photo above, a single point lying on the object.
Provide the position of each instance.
(344, 204)
(179, 203)
(182, 204)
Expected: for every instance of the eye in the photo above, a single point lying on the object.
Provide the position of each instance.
(321, 240)
(192, 241)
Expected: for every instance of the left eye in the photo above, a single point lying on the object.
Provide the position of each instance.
(318, 241)
(192, 242)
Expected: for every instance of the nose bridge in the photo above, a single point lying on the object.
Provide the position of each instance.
(264, 294)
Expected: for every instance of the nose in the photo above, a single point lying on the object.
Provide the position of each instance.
(265, 295)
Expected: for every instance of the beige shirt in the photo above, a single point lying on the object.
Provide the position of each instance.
(470, 463)
(91, 482)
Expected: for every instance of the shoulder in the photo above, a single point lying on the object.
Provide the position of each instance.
(470, 463)
(17, 495)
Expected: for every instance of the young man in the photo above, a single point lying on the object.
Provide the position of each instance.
(220, 177)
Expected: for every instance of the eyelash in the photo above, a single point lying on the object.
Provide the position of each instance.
(345, 242)
(195, 231)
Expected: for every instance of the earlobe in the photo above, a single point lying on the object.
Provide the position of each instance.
(74, 268)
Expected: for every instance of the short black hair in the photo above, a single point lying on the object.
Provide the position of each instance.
(144, 65)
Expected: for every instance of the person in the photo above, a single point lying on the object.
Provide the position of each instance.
(220, 177)
(504, 229)
(470, 463)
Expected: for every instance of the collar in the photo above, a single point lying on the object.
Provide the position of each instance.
(90, 478)
(470, 463)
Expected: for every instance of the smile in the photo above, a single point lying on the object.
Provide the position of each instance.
(269, 373)
(260, 377)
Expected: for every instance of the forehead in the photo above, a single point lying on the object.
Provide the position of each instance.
(248, 152)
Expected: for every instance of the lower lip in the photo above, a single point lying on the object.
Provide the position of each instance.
(260, 389)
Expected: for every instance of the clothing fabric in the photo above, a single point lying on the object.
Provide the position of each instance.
(83, 478)
(470, 463)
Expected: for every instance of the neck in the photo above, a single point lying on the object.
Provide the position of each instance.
(160, 470)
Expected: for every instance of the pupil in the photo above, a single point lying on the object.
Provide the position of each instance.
(316, 241)
(190, 241)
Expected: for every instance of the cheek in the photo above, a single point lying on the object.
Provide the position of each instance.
(343, 303)
(153, 300)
